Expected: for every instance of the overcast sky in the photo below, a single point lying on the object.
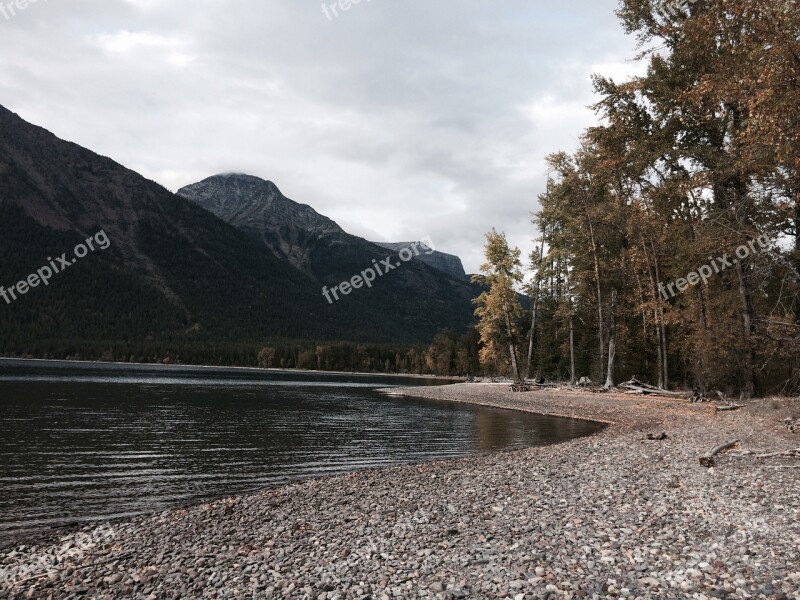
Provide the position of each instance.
(398, 119)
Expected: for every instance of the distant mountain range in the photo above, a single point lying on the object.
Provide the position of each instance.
(227, 260)
(294, 232)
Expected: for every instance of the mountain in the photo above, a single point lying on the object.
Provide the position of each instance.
(447, 263)
(174, 275)
(290, 229)
(429, 283)
(258, 208)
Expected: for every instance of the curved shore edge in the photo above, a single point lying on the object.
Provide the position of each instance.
(606, 516)
(498, 397)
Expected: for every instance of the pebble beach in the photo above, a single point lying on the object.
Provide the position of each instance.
(614, 515)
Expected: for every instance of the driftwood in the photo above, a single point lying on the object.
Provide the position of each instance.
(527, 386)
(785, 454)
(637, 387)
(708, 459)
(792, 425)
(728, 407)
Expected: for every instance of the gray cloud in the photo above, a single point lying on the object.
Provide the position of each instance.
(397, 119)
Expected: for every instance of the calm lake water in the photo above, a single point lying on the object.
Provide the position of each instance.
(90, 442)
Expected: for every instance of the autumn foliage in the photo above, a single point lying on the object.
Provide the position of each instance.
(687, 163)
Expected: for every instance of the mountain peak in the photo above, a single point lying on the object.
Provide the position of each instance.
(256, 200)
(242, 179)
(258, 207)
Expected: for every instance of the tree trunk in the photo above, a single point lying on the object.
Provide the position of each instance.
(797, 231)
(658, 315)
(600, 334)
(514, 366)
(732, 193)
(700, 349)
(571, 350)
(568, 295)
(664, 375)
(797, 240)
(534, 308)
(512, 348)
(612, 341)
(745, 296)
(700, 358)
(643, 300)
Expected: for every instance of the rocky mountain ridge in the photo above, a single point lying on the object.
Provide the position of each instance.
(290, 229)
(447, 263)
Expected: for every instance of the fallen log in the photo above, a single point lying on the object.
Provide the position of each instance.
(637, 387)
(728, 407)
(785, 454)
(633, 382)
(708, 460)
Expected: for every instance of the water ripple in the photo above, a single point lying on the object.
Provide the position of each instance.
(82, 444)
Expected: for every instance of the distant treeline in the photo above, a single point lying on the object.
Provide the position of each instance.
(450, 354)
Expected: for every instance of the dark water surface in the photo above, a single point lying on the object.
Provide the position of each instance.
(90, 442)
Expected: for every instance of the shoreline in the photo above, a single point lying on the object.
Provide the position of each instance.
(238, 368)
(419, 393)
(608, 515)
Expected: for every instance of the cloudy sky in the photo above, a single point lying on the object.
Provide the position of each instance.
(398, 119)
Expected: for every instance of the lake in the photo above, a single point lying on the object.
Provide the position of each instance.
(88, 442)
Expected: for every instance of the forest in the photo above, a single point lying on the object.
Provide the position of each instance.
(668, 241)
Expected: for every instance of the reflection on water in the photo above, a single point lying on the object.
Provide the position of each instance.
(491, 427)
(92, 442)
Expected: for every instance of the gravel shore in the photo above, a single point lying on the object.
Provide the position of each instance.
(609, 516)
